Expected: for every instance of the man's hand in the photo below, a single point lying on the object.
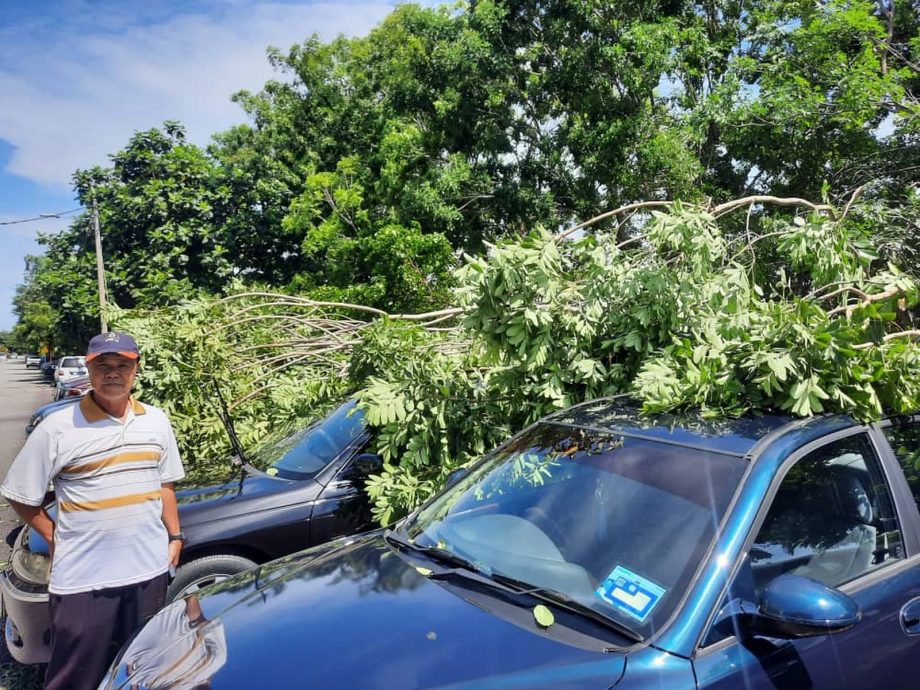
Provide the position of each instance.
(171, 521)
(175, 548)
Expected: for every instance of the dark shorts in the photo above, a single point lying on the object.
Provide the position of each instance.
(88, 629)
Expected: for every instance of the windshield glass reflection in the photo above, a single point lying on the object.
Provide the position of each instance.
(616, 523)
(303, 453)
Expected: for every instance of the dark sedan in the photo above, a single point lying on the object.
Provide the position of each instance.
(310, 491)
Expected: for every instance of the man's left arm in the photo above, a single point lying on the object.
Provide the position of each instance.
(171, 520)
(171, 471)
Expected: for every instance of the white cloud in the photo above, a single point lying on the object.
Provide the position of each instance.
(71, 101)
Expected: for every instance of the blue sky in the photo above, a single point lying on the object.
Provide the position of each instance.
(78, 77)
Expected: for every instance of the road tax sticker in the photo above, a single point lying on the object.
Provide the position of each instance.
(630, 593)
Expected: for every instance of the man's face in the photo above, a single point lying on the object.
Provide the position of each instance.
(112, 375)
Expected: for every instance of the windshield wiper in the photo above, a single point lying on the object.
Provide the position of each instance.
(462, 567)
(566, 602)
(435, 553)
(239, 458)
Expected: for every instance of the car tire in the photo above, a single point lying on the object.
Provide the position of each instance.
(204, 571)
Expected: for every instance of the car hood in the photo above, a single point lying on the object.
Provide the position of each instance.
(357, 615)
(253, 491)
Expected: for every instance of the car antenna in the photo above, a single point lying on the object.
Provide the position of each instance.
(239, 458)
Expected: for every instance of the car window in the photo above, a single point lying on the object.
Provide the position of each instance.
(71, 362)
(832, 520)
(905, 442)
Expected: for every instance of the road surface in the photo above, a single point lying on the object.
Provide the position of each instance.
(21, 392)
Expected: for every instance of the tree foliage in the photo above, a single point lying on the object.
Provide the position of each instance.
(799, 316)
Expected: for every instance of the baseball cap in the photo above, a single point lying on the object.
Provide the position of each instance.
(118, 343)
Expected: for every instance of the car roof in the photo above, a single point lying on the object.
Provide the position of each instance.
(623, 415)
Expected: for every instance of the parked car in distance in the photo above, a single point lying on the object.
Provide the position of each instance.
(47, 369)
(33, 361)
(310, 490)
(68, 368)
(597, 549)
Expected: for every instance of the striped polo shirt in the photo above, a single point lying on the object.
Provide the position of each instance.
(107, 477)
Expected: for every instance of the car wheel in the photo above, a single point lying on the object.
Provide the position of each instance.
(194, 575)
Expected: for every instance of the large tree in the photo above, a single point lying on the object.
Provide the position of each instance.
(371, 163)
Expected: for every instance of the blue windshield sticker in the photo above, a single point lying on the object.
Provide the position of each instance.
(630, 593)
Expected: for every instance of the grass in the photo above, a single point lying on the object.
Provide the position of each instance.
(15, 676)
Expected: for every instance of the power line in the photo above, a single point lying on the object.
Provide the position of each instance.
(43, 216)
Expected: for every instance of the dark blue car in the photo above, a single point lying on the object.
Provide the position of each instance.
(596, 549)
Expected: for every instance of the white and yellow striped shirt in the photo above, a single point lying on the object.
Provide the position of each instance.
(107, 477)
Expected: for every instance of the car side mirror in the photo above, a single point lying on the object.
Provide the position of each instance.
(367, 463)
(794, 606)
(455, 476)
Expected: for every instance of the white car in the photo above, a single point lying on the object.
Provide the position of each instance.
(69, 368)
(33, 361)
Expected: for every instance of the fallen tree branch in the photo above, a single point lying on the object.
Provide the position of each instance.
(730, 206)
(871, 299)
(915, 333)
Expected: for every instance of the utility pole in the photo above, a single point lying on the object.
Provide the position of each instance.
(100, 267)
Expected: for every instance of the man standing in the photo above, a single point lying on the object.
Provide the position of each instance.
(113, 462)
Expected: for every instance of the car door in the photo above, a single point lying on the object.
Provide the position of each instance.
(831, 517)
(343, 506)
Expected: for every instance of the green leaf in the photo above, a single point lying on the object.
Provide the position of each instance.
(543, 616)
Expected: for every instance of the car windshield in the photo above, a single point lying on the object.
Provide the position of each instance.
(616, 523)
(71, 363)
(300, 455)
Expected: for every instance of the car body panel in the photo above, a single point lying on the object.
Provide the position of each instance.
(377, 623)
(690, 429)
(361, 602)
(828, 661)
(45, 410)
(27, 635)
(259, 515)
(75, 386)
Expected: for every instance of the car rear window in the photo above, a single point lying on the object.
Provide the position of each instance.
(304, 453)
(71, 362)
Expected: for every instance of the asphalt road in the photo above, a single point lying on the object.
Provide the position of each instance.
(21, 392)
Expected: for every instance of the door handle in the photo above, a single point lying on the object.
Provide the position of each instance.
(910, 617)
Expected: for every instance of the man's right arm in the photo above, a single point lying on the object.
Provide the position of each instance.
(36, 518)
(27, 480)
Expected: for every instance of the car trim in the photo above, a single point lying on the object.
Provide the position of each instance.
(648, 437)
(905, 504)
